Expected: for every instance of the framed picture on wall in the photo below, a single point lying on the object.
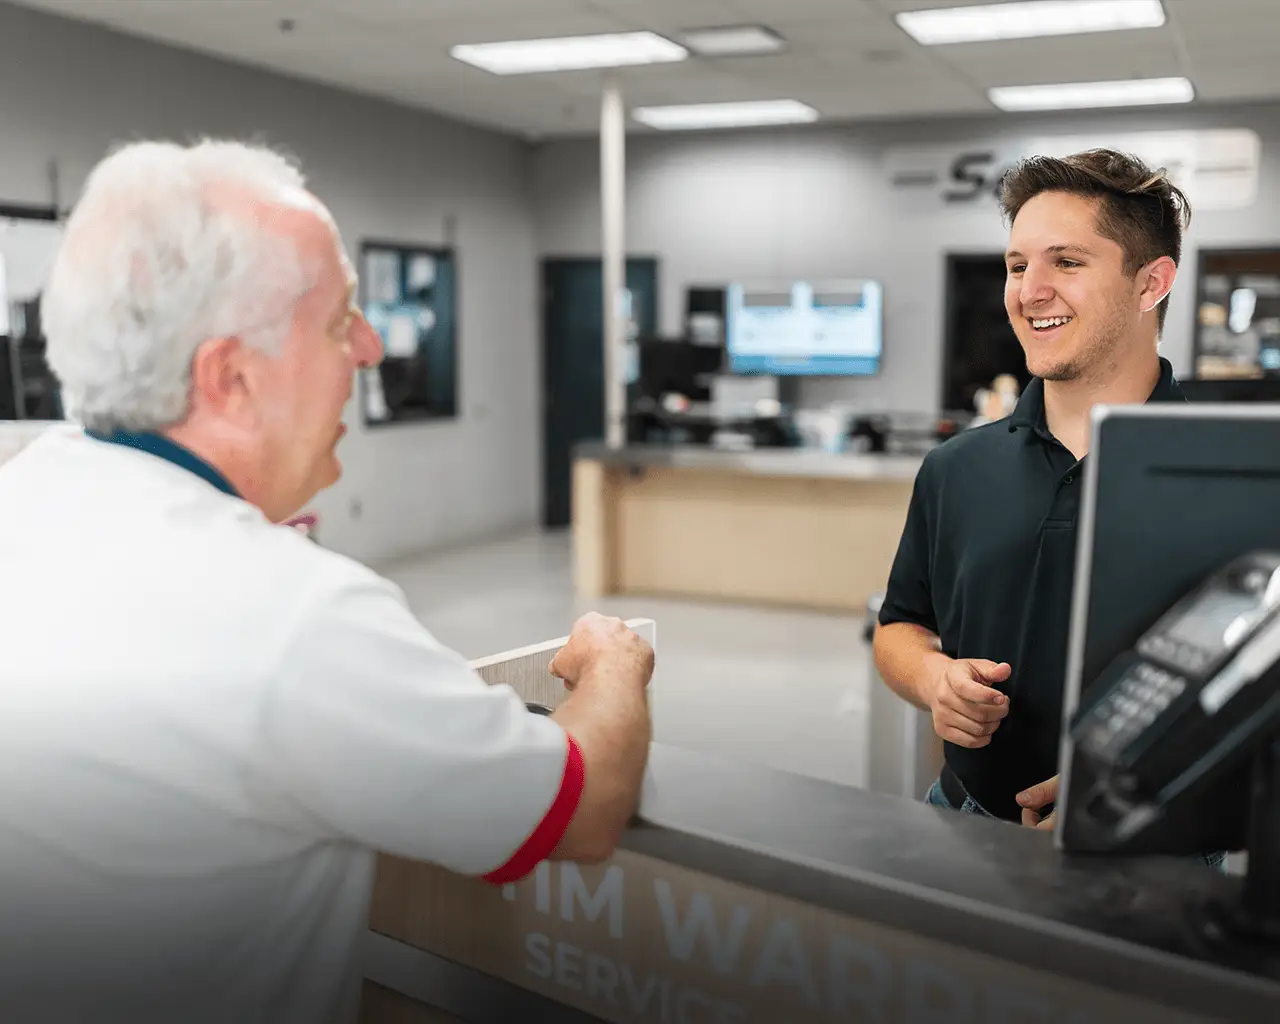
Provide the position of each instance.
(409, 295)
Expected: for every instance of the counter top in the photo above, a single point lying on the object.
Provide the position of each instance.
(981, 884)
(792, 462)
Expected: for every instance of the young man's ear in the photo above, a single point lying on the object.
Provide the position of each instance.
(1157, 280)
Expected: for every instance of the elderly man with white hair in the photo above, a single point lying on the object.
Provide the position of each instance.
(209, 726)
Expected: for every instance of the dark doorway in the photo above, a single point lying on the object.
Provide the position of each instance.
(980, 344)
(28, 388)
(573, 363)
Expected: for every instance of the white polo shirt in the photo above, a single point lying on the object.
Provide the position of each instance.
(208, 727)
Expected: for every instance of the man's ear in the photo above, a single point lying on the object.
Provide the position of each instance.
(1156, 279)
(218, 375)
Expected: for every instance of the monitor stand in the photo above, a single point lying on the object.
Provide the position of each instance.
(1254, 918)
(1258, 913)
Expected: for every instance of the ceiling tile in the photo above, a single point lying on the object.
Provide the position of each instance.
(446, 33)
(401, 13)
(897, 6)
(846, 57)
(668, 16)
(1186, 12)
(860, 106)
(828, 10)
(1222, 85)
(1080, 59)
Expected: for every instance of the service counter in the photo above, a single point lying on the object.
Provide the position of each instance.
(743, 894)
(793, 527)
(747, 894)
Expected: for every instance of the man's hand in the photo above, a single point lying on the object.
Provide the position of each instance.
(1033, 799)
(598, 639)
(608, 667)
(966, 711)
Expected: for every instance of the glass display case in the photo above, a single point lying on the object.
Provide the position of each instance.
(1237, 328)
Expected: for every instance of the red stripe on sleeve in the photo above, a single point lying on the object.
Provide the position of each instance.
(551, 829)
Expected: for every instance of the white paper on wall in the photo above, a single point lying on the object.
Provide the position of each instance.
(375, 401)
(382, 277)
(421, 274)
(402, 336)
(28, 248)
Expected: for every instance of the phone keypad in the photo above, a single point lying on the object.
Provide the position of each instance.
(1144, 693)
(1192, 658)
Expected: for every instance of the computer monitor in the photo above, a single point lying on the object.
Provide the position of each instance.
(675, 365)
(805, 328)
(1251, 389)
(1156, 758)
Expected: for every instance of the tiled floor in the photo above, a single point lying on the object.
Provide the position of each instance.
(773, 686)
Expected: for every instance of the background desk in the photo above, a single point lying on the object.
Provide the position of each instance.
(779, 526)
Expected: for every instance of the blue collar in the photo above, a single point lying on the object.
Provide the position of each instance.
(170, 451)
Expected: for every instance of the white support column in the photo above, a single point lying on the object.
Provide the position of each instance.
(613, 219)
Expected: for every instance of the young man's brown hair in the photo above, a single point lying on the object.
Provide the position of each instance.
(1139, 208)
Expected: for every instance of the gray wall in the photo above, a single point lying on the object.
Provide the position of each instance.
(70, 91)
(817, 202)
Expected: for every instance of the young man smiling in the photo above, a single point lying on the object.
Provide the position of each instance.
(974, 623)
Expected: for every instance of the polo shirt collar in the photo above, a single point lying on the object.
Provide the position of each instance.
(163, 448)
(1030, 409)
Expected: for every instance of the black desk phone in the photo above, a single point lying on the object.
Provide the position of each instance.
(1188, 688)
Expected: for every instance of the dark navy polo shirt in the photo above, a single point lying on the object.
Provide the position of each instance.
(163, 448)
(987, 562)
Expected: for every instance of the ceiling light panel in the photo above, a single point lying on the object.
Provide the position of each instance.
(1028, 19)
(731, 41)
(570, 53)
(725, 115)
(1078, 95)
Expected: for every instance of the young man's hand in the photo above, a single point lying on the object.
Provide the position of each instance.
(966, 710)
(1034, 799)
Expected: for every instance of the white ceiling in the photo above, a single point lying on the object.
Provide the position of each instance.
(848, 58)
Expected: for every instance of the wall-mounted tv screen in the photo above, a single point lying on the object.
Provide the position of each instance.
(821, 328)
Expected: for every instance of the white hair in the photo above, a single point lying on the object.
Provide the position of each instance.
(161, 254)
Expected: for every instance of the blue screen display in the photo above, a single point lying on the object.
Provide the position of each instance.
(805, 329)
